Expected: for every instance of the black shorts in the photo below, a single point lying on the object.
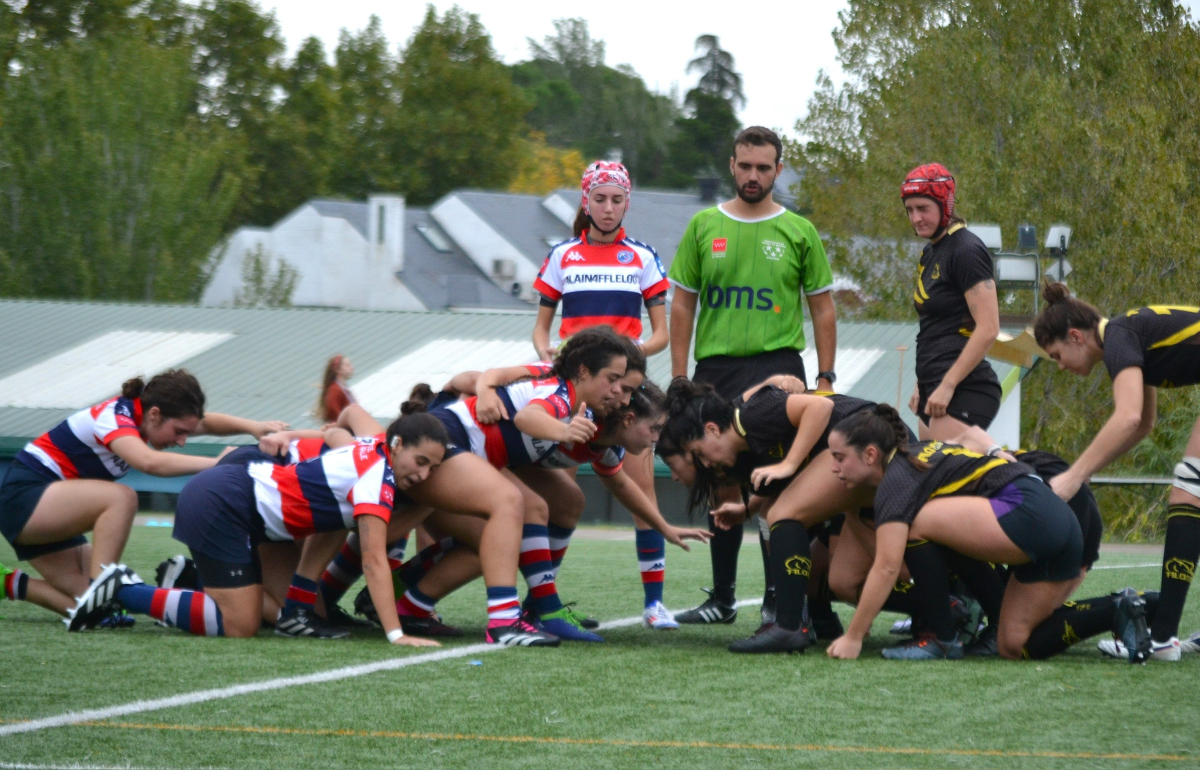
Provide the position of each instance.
(974, 402)
(1087, 511)
(733, 375)
(1045, 528)
(217, 519)
(20, 490)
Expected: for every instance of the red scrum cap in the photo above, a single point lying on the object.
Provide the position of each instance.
(934, 181)
(604, 173)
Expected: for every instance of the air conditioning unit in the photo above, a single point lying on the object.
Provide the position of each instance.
(504, 269)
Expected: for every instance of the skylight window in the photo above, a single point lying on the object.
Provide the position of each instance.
(435, 238)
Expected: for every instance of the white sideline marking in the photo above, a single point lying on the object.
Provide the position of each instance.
(23, 766)
(220, 693)
(1128, 566)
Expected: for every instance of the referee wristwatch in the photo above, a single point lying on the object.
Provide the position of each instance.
(830, 376)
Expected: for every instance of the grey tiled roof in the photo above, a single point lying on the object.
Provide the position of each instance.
(353, 212)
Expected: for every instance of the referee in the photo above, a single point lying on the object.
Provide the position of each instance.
(746, 263)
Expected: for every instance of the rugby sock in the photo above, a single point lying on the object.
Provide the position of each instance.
(415, 604)
(652, 561)
(1073, 622)
(16, 585)
(503, 606)
(982, 580)
(560, 538)
(791, 566)
(926, 563)
(902, 599)
(413, 571)
(1178, 569)
(764, 547)
(723, 549)
(820, 604)
(538, 570)
(301, 593)
(343, 572)
(191, 611)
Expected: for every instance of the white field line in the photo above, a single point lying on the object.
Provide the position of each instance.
(25, 766)
(220, 693)
(1128, 566)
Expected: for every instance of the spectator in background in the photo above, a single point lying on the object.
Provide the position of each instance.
(335, 396)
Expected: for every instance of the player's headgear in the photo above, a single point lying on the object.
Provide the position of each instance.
(604, 173)
(934, 181)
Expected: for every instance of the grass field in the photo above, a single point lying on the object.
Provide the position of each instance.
(644, 699)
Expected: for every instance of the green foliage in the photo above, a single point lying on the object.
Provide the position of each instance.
(1079, 111)
(579, 102)
(264, 286)
(113, 188)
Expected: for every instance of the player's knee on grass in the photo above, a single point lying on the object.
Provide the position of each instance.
(1011, 641)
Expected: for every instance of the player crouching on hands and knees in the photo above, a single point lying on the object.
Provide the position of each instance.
(1144, 349)
(987, 508)
(224, 513)
(63, 485)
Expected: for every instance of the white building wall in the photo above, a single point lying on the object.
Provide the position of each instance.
(483, 245)
(337, 266)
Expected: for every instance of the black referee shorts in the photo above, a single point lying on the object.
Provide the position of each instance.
(733, 375)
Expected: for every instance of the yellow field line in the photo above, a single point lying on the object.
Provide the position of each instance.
(618, 743)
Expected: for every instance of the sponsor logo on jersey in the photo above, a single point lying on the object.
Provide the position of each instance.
(719, 246)
(624, 257)
(740, 298)
(599, 278)
(773, 250)
(574, 256)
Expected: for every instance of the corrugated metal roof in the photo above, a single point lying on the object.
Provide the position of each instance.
(272, 366)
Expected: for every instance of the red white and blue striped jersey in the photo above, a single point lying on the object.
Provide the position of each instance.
(324, 494)
(605, 460)
(602, 283)
(501, 443)
(78, 447)
(301, 449)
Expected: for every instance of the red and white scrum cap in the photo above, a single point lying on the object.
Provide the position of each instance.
(604, 173)
(934, 181)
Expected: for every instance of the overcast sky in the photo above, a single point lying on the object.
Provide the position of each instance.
(778, 46)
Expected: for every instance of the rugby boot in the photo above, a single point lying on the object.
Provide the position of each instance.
(711, 611)
(925, 647)
(304, 622)
(520, 634)
(774, 639)
(1130, 628)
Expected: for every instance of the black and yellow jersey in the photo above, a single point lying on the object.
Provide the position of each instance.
(948, 269)
(762, 420)
(1161, 340)
(949, 470)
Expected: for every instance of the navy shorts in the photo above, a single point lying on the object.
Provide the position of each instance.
(1044, 527)
(217, 518)
(244, 455)
(459, 440)
(20, 491)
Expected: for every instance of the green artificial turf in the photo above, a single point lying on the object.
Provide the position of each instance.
(644, 699)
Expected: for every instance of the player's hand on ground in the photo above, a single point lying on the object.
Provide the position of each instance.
(914, 400)
(760, 477)
(580, 429)
(729, 515)
(417, 641)
(939, 400)
(676, 536)
(489, 408)
(845, 648)
(1065, 485)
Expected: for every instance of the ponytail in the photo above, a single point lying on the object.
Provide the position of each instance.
(691, 405)
(176, 393)
(418, 400)
(582, 223)
(1061, 314)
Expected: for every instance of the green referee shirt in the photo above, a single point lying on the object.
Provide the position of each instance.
(749, 276)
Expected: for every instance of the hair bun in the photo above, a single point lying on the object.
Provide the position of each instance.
(1056, 292)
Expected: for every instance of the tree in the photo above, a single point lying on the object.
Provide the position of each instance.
(112, 188)
(717, 74)
(462, 119)
(543, 169)
(264, 285)
(1081, 111)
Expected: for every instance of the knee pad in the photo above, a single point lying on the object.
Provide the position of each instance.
(1187, 476)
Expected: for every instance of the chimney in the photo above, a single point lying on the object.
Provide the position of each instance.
(385, 229)
(709, 185)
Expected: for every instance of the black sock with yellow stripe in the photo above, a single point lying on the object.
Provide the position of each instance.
(902, 599)
(1179, 567)
(791, 566)
(931, 587)
(1073, 622)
